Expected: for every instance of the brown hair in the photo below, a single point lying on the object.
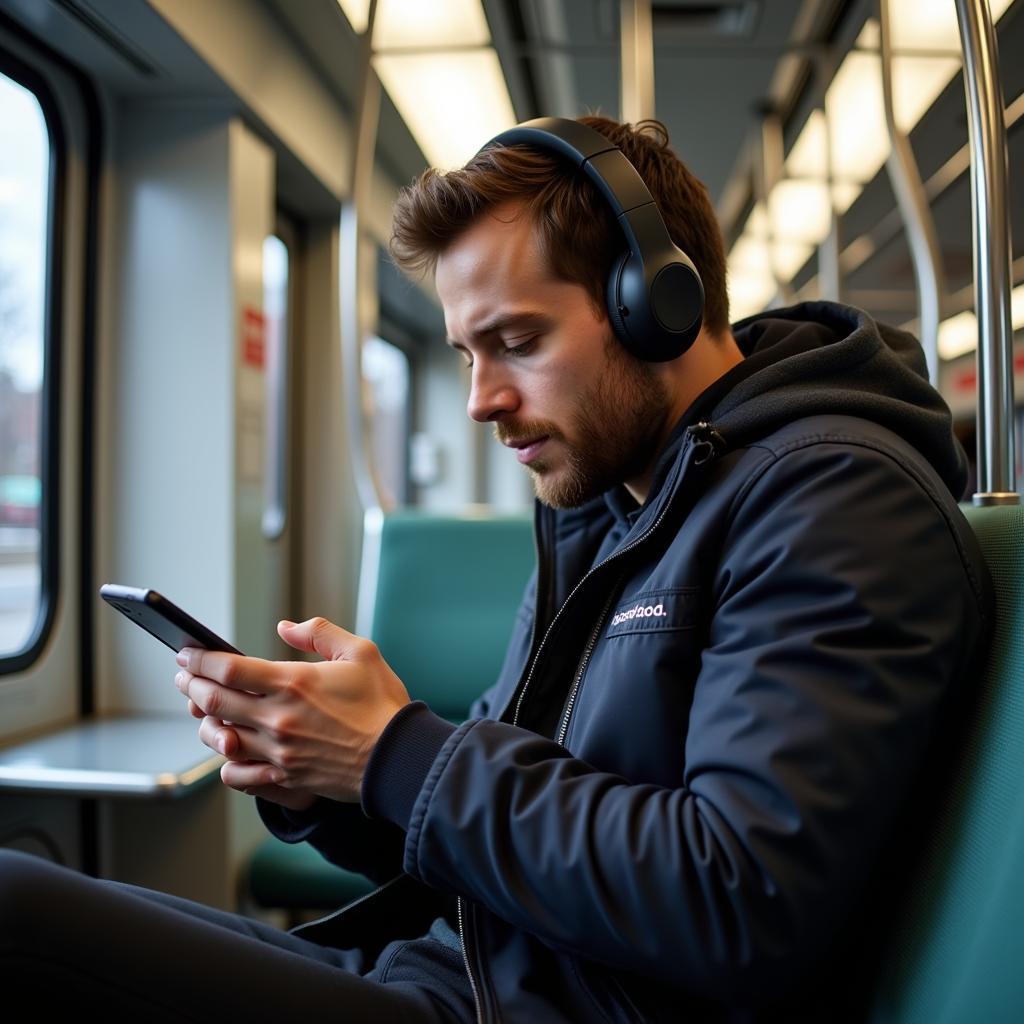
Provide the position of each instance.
(574, 221)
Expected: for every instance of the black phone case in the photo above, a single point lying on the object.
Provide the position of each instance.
(163, 619)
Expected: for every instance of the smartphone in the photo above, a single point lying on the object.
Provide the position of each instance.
(163, 619)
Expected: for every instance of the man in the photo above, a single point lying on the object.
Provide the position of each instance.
(754, 602)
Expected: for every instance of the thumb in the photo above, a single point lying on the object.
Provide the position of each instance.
(317, 636)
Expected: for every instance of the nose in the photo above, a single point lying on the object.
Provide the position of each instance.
(491, 394)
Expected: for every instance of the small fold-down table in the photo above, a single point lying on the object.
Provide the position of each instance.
(113, 787)
(138, 755)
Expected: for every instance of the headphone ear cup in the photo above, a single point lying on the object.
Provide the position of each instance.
(659, 320)
(617, 310)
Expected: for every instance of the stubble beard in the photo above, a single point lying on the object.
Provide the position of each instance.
(618, 424)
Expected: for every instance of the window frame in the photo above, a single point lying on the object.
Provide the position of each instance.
(53, 309)
(391, 332)
(276, 504)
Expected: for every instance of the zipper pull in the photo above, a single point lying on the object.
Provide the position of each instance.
(707, 442)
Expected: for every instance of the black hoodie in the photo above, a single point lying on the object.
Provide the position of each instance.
(677, 800)
(823, 356)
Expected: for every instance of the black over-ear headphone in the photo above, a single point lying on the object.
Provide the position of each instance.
(655, 297)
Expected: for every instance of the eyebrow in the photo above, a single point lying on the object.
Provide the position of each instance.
(503, 321)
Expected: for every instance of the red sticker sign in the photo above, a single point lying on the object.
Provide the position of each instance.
(254, 337)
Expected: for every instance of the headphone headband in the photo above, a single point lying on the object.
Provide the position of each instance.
(599, 158)
(655, 296)
(603, 162)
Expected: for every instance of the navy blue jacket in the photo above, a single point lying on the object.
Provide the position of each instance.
(716, 717)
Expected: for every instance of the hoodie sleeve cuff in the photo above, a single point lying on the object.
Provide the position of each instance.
(290, 826)
(400, 762)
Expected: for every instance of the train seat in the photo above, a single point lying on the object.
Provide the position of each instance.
(955, 953)
(438, 595)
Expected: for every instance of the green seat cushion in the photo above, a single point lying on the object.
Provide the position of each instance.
(958, 955)
(296, 877)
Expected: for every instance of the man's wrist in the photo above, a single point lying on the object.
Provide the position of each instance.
(400, 762)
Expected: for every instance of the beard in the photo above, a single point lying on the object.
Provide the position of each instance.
(617, 424)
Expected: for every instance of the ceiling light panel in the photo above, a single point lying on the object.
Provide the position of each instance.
(958, 335)
(930, 24)
(751, 281)
(757, 222)
(916, 84)
(357, 12)
(749, 292)
(453, 103)
(415, 24)
(809, 158)
(749, 253)
(788, 258)
(856, 118)
(800, 211)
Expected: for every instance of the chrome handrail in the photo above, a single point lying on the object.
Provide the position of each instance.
(912, 204)
(636, 52)
(768, 172)
(997, 468)
(352, 327)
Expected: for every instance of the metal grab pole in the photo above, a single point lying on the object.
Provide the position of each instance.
(913, 206)
(768, 171)
(997, 466)
(350, 268)
(637, 53)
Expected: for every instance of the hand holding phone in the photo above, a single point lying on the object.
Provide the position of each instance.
(177, 629)
(163, 619)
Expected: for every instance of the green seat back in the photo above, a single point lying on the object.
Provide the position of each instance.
(295, 877)
(958, 955)
(445, 595)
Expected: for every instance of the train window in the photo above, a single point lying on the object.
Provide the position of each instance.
(386, 396)
(25, 157)
(276, 318)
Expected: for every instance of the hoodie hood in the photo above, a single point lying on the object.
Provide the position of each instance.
(821, 357)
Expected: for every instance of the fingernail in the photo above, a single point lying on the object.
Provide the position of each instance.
(179, 680)
(287, 623)
(182, 657)
(222, 743)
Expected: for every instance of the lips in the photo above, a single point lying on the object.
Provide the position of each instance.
(527, 450)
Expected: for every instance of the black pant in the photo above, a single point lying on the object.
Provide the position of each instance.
(72, 942)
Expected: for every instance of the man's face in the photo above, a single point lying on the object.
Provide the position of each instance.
(579, 411)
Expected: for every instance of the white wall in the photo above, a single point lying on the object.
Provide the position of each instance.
(181, 451)
(166, 392)
(330, 518)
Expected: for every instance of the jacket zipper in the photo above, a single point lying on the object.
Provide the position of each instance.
(477, 1002)
(587, 651)
(701, 434)
(709, 441)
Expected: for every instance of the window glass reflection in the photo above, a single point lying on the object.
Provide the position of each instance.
(24, 195)
(386, 395)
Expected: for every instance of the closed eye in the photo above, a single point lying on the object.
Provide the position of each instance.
(522, 348)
